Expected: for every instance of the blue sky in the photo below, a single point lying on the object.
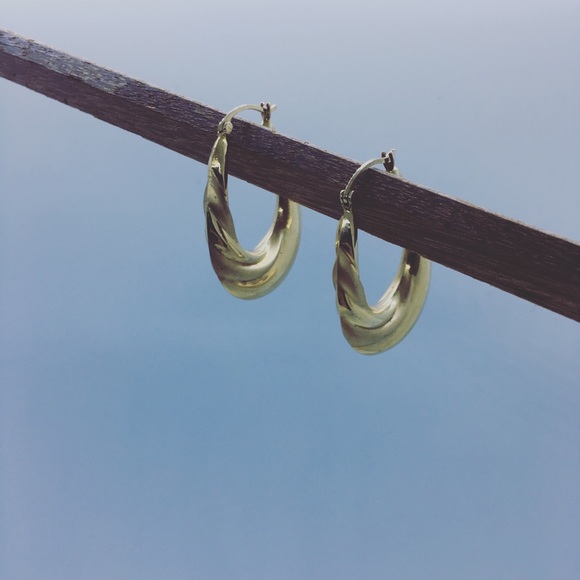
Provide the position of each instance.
(153, 426)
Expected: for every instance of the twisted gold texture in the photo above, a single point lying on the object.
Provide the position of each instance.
(374, 329)
(246, 274)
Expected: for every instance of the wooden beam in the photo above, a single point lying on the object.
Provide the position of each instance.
(534, 265)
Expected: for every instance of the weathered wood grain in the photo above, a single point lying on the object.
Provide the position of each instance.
(531, 264)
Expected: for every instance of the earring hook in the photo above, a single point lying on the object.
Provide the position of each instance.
(225, 126)
(388, 161)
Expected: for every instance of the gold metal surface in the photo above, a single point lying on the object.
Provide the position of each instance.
(374, 329)
(246, 274)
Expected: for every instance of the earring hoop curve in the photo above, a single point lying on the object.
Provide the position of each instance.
(246, 274)
(374, 329)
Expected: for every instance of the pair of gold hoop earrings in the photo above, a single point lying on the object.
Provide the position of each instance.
(252, 274)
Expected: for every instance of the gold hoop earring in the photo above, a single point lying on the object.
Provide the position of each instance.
(374, 329)
(246, 274)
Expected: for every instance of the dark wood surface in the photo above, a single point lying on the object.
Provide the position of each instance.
(534, 265)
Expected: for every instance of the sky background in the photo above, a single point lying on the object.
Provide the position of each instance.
(153, 426)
